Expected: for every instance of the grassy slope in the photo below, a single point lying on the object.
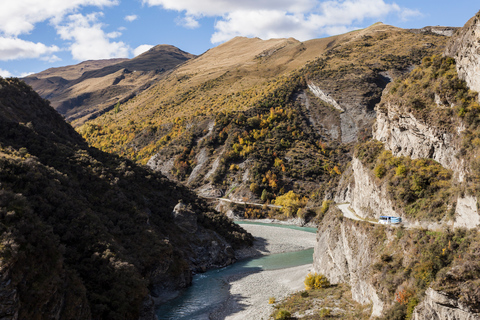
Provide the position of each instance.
(247, 78)
(86, 90)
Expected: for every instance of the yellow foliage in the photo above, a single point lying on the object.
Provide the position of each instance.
(316, 281)
(290, 202)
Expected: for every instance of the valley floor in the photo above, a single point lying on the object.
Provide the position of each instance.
(249, 294)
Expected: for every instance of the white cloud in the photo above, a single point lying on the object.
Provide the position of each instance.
(89, 41)
(188, 22)
(131, 18)
(26, 74)
(220, 7)
(14, 48)
(5, 73)
(19, 16)
(141, 49)
(51, 59)
(302, 19)
(407, 14)
(114, 34)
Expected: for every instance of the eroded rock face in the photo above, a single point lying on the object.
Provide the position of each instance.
(344, 253)
(210, 250)
(185, 218)
(369, 200)
(438, 306)
(465, 48)
(405, 135)
(466, 213)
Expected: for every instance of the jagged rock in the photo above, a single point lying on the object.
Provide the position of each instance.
(466, 213)
(344, 253)
(465, 48)
(323, 96)
(438, 306)
(444, 31)
(185, 218)
(369, 200)
(405, 135)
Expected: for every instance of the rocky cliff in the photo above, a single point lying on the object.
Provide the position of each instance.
(438, 306)
(396, 269)
(424, 116)
(368, 198)
(344, 253)
(464, 48)
(406, 135)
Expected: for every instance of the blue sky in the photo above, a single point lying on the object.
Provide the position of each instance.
(36, 35)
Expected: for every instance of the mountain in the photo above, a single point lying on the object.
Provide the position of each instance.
(256, 119)
(89, 235)
(90, 88)
(421, 165)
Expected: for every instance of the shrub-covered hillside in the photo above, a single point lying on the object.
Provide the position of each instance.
(89, 235)
(261, 138)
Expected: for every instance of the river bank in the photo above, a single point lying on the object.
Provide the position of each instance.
(271, 240)
(249, 293)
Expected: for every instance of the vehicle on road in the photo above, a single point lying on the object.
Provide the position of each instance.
(389, 220)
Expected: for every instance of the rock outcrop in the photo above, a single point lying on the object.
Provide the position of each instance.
(345, 253)
(405, 135)
(465, 48)
(323, 96)
(369, 200)
(438, 306)
(466, 213)
(443, 31)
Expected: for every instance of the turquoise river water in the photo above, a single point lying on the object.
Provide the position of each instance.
(210, 289)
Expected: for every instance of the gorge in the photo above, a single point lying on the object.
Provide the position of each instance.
(114, 214)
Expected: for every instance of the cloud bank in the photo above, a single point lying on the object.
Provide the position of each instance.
(89, 41)
(86, 38)
(302, 19)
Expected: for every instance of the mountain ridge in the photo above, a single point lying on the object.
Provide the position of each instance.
(92, 88)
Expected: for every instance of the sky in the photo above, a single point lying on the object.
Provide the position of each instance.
(37, 35)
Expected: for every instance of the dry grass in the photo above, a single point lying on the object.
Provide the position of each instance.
(75, 71)
(239, 74)
(313, 303)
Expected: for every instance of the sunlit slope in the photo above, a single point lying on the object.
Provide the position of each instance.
(241, 73)
(87, 90)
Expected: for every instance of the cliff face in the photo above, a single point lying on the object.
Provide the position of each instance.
(344, 253)
(465, 49)
(438, 306)
(420, 117)
(405, 135)
(369, 199)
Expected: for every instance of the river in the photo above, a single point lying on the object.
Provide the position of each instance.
(211, 289)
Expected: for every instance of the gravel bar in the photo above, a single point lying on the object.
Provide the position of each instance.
(249, 293)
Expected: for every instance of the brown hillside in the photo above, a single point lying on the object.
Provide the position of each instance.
(239, 74)
(75, 71)
(90, 88)
(247, 119)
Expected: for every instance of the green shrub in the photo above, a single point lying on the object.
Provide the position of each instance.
(282, 314)
(324, 313)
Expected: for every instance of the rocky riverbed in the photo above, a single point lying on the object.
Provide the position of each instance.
(249, 293)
